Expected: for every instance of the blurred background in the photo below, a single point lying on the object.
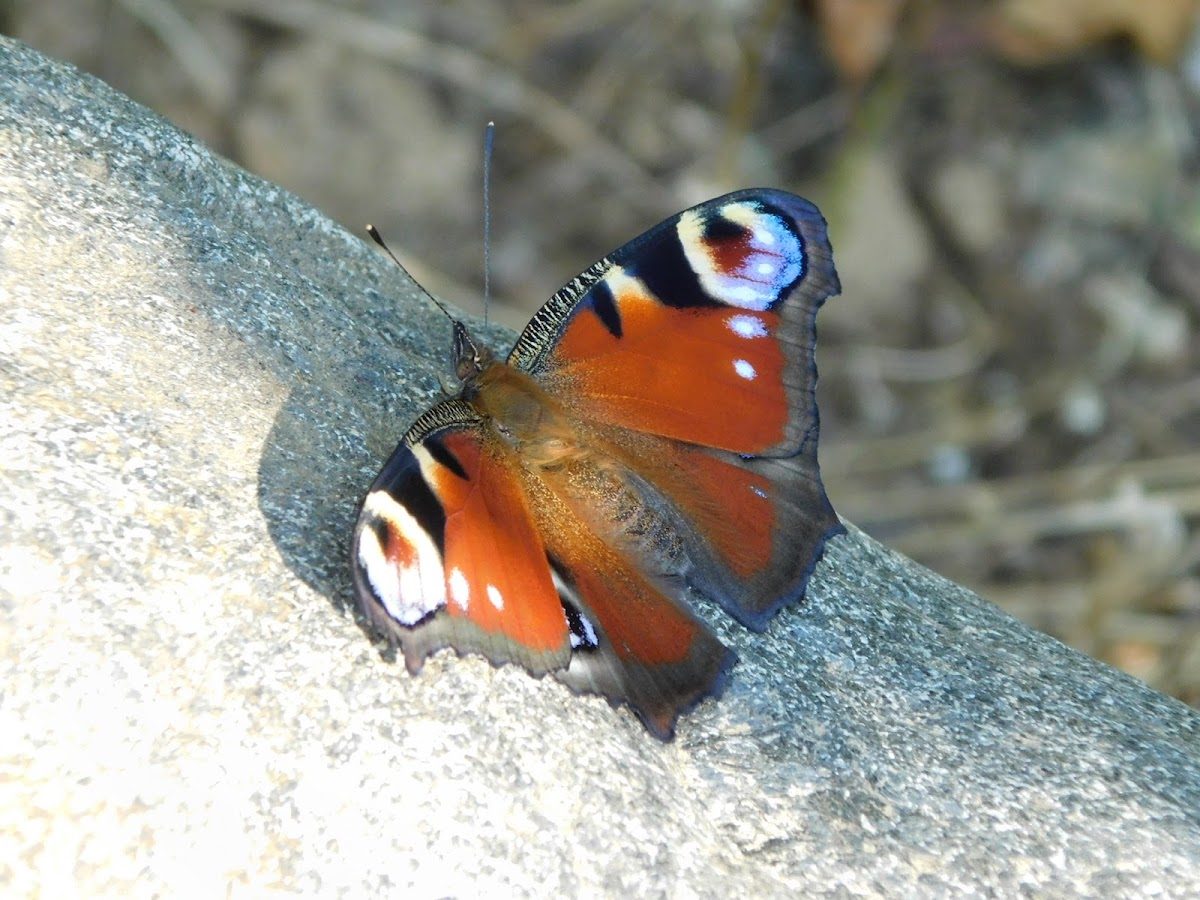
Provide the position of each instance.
(1009, 382)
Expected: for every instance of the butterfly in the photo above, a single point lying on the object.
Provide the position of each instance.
(653, 430)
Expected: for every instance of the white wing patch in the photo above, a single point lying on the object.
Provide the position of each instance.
(589, 639)
(460, 589)
(745, 369)
(772, 256)
(493, 594)
(410, 584)
(747, 326)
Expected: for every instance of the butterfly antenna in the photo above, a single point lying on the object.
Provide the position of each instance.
(378, 238)
(489, 136)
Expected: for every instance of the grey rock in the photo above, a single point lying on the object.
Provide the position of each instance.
(199, 376)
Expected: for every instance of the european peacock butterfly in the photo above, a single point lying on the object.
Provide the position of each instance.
(654, 428)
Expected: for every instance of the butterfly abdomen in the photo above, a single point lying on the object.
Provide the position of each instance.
(524, 417)
(613, 503)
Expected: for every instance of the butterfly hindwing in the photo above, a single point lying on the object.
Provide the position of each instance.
(634, 641)
(637, 645)
(752, 527)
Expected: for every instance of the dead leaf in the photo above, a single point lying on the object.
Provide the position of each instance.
(859, 33)
(1036, 31)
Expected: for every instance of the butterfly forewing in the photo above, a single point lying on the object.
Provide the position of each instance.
(446, 553)
(701, 330)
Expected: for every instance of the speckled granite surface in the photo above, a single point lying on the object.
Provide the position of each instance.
(198, 377)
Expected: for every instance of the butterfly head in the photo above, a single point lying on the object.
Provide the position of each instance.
(470, 357)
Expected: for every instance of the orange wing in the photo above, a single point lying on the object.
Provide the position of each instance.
(701, 330)
(449, 552)
(446, 554)
(690, 351)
